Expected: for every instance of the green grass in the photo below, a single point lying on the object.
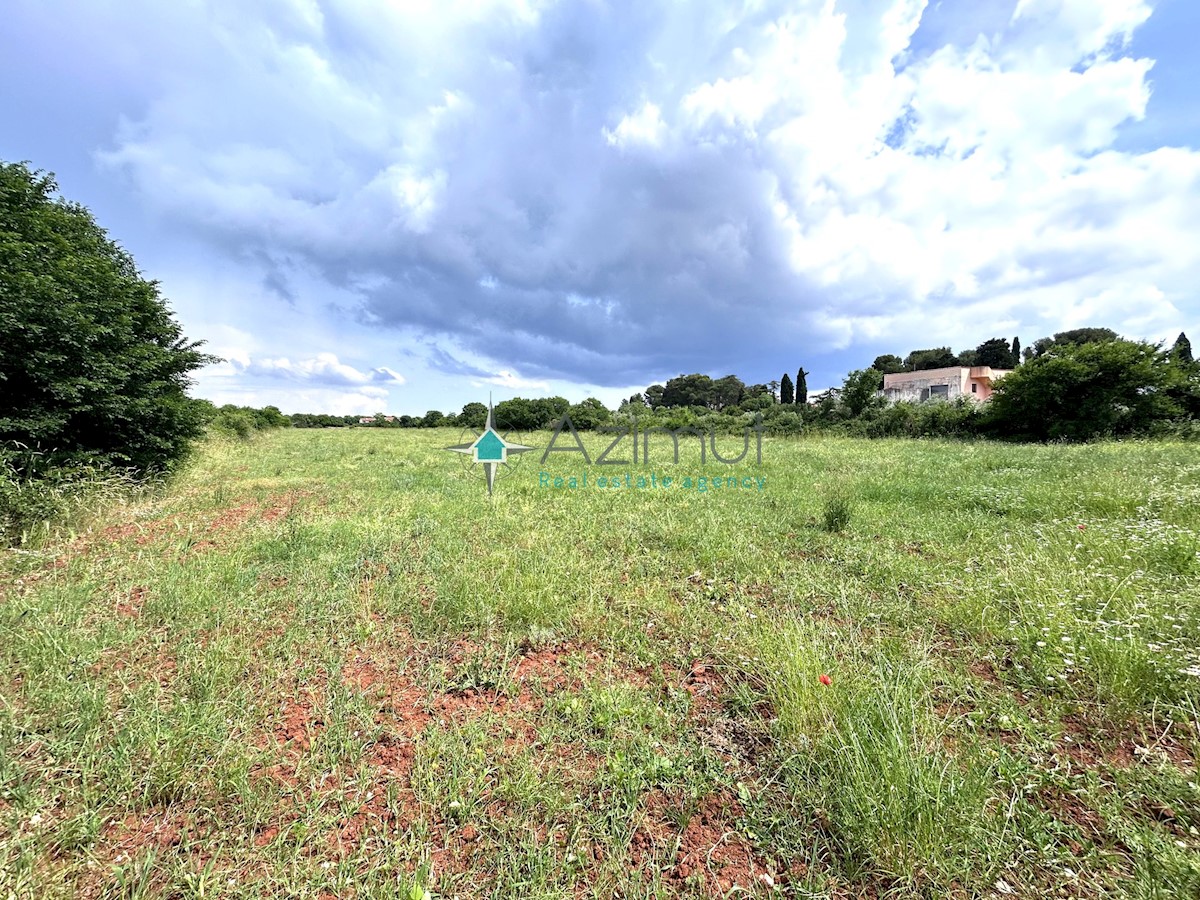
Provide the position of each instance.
(324, 663)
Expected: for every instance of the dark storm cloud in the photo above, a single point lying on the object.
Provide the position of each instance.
(528, 236)
(444, 362)
(611, 192)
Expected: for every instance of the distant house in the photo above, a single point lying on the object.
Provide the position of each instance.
(366, 420)
(974, 382)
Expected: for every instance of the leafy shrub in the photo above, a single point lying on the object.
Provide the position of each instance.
(234, 423)
(960, 418)
(92, 362)
(242, 421)
(1078, 392)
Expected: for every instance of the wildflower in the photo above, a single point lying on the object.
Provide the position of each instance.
(1082, 527)
(825, 680)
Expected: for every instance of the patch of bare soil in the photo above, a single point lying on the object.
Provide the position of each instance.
(1089, 744)
(985, 670)
(141, 661)
(1070, 809)
(703, 682)
(373, 816)
(292, 732)
(208, 535)
(405, 709)
(130, 839)
(709, 852)
(131, 606)
(536, 674)
(298, 724)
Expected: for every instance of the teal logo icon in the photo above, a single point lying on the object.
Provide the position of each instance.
(490, 449)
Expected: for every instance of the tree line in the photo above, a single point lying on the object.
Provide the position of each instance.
(1074, 385)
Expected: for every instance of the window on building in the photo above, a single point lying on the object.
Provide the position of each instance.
(939, 390)
(974, 388)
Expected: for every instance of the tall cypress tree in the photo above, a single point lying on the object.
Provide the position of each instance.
(1182, 350)
(1016, 352)
(802, 388)
(787, 394)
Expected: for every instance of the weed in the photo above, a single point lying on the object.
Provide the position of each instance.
(836, 510)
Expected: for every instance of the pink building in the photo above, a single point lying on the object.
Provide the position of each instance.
(944, 384)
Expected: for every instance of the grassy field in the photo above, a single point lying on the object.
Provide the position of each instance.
(325, 664)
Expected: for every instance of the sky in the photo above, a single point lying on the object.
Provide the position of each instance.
(367, 206)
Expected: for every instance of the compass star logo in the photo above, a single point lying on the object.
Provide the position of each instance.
(490, 449)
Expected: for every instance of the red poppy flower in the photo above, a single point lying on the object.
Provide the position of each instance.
(825, 680)
(1082, 527)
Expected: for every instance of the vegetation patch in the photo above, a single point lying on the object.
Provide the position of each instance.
(981, 684)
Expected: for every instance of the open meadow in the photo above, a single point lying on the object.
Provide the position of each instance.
(322, 663)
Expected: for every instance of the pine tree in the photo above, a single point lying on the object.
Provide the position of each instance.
(787, 393)
(1182, 350)
(802, 388)
(1016, 352)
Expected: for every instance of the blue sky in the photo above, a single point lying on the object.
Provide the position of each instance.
(369, 206)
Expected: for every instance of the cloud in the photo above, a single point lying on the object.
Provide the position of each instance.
(513, 381)
(325, 368)
(643, 127)
(442, 361)
(364, 401)
(604, 192)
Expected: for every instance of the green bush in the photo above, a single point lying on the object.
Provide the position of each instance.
(1077, 392)
(242, 421)
(92, 363)
(234, 422)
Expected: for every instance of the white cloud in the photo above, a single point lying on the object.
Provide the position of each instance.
(643, 127)
(324, 368)
(313, 400)
(1064, 31)
(513, 381)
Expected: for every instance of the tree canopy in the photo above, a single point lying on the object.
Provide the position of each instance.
(997, 353)
(888, 364)
(859, 390)
(1074, 336)
(93, 367)
(473, 415)
(1077, 391)
(937, 358)
(1182, 349)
